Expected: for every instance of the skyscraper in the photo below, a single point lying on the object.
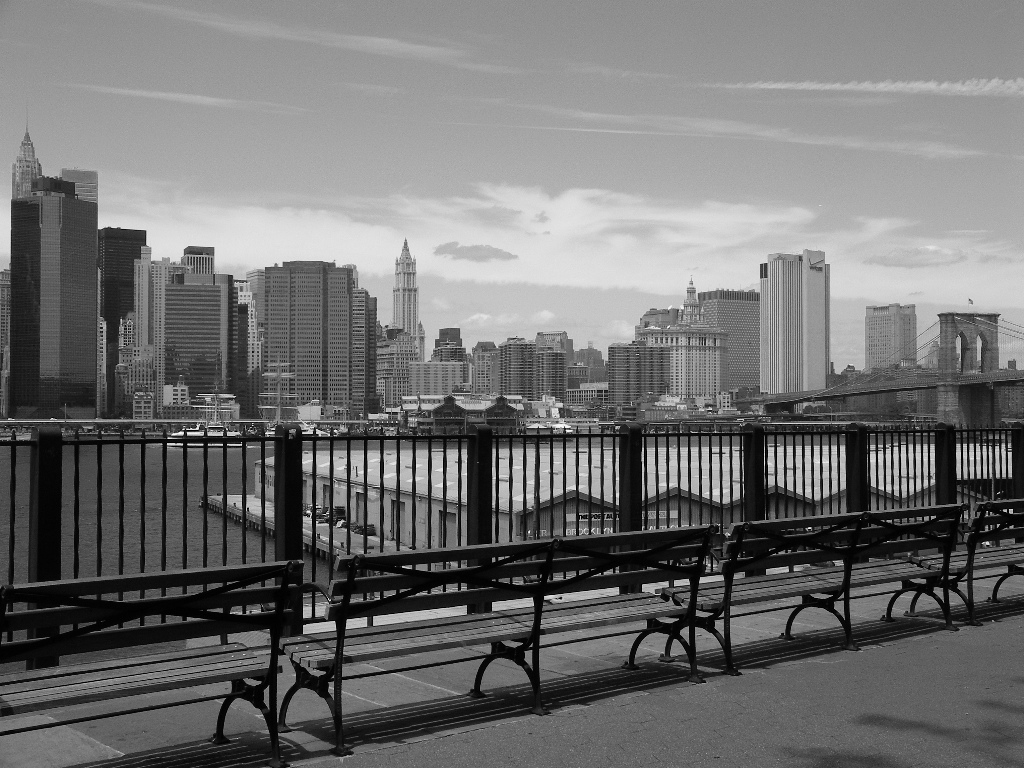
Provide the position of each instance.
(636, 370)
(87, 183)
(484, 372)
(516, 360)
(119, 249)
(54, 307)
(199, 332)
(795, 322)
(738, 313)
(314, 325)
(890, 336)
(198, 259)
(364, 354)
(406, 295)
(25, 170)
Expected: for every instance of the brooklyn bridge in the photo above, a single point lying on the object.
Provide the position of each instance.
(960, 381)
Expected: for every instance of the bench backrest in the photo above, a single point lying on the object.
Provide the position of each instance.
(54, 618)
(1001, 520)
(416, 580)
(800, 541)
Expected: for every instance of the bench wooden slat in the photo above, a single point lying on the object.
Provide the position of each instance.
(73, 674)
(133, 685)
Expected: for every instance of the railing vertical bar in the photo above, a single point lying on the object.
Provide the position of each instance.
(224, 503)
(76, 508)
(99, 508)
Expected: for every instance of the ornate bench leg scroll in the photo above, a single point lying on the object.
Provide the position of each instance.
(237, 690)
(254, 695)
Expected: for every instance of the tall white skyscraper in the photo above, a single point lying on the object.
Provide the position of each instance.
(795, 322)
(890, 336)
(406, 308)
(25, 170)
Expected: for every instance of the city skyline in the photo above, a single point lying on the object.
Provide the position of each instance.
(688, 141)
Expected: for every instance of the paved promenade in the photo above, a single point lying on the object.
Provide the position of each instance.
(916, 695)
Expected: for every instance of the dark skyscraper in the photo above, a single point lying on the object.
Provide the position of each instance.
(54, 308)
(199, 332)
(119, 249)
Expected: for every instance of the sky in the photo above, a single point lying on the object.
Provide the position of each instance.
(554, 166)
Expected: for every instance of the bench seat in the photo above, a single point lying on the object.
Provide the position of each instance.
(810, 580)
(315, 651)
(70, 685)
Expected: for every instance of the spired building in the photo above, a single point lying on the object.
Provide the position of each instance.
(795, 322)
(406, 308)
(890, 336)
(25, 170)
(54, 301)
(695, 348)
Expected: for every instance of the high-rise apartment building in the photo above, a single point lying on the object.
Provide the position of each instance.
(87, 183)
(549, 373)
(448, 347)
(637, 370)
(436, 378)
(53, 303)
(25, 170)
(396, 352)
(795, 322)
(198, 259)
(406, 296)
(313, 325)
(484, 372)
(890, 336)
(738, 313)
(119, 250)
(695, 348)
(516, 359)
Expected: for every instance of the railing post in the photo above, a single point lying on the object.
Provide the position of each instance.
(631, 478)
(44, 521)
(858, 494)
(753, 491)
(945, 464)
(1017, 462)
(288, 500)
(480, 482)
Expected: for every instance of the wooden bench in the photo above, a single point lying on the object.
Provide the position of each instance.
(473, 578)
(42, 623)
(821, 559)
(995, 541)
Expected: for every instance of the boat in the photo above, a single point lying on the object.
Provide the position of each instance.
(210, 433)
(312, 430)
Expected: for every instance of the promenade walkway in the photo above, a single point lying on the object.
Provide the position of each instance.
(916, 695)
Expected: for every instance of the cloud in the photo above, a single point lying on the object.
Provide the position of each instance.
(921, 256)
(484, 320)
(994, 87)
(194, 99)
(473, 252)
(374, 89)
(677, 125)
(543, 316)
(259, 29)
(614, 73)
(600, 239)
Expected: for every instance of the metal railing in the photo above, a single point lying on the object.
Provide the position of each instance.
(87, 504)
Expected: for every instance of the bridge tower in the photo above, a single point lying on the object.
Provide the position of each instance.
(962, 402)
